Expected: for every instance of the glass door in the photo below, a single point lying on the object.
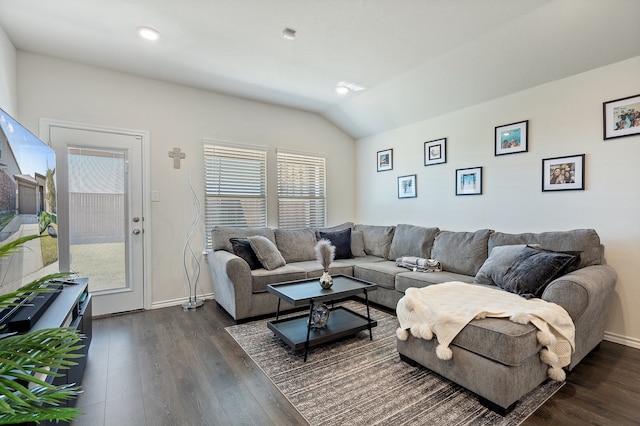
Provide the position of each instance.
(100, 186)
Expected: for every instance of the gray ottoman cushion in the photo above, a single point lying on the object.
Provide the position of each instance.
(499, 339)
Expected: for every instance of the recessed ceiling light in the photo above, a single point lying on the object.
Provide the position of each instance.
(289, 33)
(148, 33)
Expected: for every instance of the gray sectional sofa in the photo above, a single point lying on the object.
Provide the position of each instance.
(495, 358)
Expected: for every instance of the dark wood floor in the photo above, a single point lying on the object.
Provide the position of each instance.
(169, 367)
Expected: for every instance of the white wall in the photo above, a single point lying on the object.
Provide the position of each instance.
(8, 100)
(178, 116)
(565, 118)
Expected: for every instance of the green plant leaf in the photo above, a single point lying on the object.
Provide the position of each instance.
(26, 360)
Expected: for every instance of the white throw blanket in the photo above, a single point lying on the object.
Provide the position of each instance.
(445, 309)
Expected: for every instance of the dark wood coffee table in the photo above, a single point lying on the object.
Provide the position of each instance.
(297, 331)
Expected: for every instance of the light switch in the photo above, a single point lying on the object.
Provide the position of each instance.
(155, 195)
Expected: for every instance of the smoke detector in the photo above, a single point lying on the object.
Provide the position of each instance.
(289, 33)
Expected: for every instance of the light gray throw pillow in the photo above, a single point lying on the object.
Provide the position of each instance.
(377, 239)
(461, 252)
(411, 240)
(266, 252)
(357, 244)
(296, 245)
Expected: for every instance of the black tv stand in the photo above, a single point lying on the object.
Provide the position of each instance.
(72, 308)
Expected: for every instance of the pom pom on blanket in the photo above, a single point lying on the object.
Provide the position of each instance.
(546, 338)
(520, 318)
(444, 352)
(557, 374)
(422, 331)
(548, 357)
(402, 334)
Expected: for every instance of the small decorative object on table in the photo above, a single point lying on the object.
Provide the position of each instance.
(325, 253)
(320, 315)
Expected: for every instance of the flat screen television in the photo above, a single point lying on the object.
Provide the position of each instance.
(27, 205)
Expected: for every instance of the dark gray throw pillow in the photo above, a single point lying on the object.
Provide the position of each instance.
(535, 268)
(242, 248)
(341, 240)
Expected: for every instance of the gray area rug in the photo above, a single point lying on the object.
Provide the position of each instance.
(355, 381)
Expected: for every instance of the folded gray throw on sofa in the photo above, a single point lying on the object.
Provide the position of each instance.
(419, 264)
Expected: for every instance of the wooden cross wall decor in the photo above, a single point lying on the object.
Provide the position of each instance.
(177, 156)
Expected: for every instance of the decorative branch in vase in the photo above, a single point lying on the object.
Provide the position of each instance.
(325, 252)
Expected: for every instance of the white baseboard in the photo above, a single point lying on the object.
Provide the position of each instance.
(177, 302)
(623, 340)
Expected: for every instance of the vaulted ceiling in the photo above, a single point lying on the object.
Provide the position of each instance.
(416, 59)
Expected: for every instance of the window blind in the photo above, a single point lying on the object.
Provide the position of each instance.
(235, 186)
(301, 190)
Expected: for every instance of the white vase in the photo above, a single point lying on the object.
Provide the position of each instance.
(325, 280)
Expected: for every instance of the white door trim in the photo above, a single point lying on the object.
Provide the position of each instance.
(45, 125)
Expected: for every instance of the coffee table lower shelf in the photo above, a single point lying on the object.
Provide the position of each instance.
(342, 322)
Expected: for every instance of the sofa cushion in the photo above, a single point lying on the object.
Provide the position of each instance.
(500, 340)
(377, 239)
(296, 245)
(261, 278)
(534, 268)
(410, 240)
(314, 269)
(381, 273)
(220, 235)
(357, 244)
(266, 252)
(242, 248)
(423, 279)
(341, 240)
(586, 241)
(461, 252)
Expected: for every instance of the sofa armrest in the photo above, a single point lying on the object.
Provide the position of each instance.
(585, 294)
(577, 290)
(231, 282)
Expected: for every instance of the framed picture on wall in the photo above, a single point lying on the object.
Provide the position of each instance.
(385, 160)
(469, 181)
(621, 117)
(407, 186)
(435, 152)
(563, 173)
(512, 138)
